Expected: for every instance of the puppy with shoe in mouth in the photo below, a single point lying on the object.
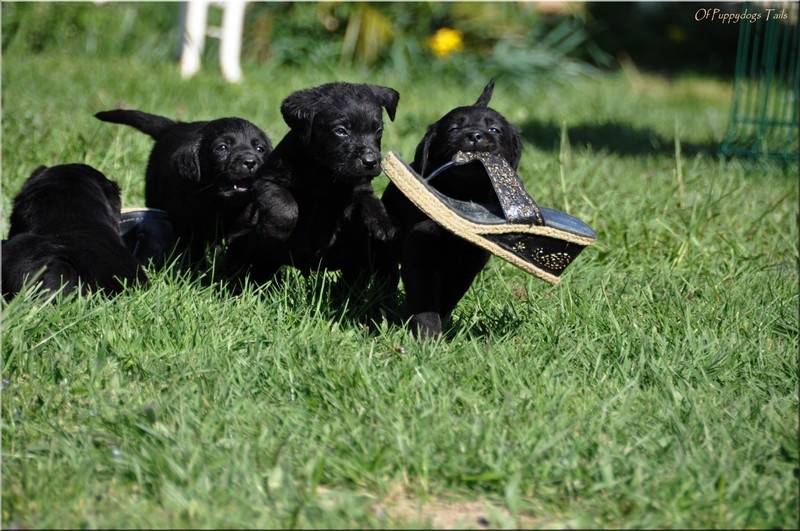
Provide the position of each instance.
(437, 267)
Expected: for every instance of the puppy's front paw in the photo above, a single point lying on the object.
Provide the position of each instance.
(377, 221)
(426, 325)
(383, 230)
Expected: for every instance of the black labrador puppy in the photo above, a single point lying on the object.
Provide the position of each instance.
(201, 173)
(316, 205)
(436, 266)
(64, 228)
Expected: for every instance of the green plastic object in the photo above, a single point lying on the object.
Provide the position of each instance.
(764, 121)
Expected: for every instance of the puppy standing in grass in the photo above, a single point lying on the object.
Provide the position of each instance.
(316, 204)
(436, 266)
(201, 173)
(64, 225)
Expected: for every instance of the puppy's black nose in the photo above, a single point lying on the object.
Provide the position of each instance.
(370, 161)
(249, 163)
(474, 136)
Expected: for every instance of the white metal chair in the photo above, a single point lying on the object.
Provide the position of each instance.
(195, 31)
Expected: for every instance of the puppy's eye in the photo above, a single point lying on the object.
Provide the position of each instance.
(453, 129)
(379, 131)
(260, 148)
(494, 130)
(340, 131)
(221, 148)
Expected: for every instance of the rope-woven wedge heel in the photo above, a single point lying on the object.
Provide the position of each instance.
(539, 240)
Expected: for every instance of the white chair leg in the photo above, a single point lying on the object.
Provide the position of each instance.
(231, 40)
(193, 37)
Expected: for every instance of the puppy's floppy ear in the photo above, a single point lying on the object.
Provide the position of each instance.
(298, 110)
(186, 161)
(423, 152)
(486, 95)
(387, 97)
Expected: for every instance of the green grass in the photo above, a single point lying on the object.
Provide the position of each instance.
(656, 386)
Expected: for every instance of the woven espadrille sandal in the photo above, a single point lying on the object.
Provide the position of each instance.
(539, 240)
(147, 233)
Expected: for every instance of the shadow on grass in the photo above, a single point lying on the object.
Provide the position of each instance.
(612, 137)
(496, 323)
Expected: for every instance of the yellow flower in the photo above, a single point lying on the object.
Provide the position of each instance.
(446, 41)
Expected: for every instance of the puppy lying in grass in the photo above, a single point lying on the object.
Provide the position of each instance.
(201, 173)
(316, 204)
(64, 225)
(436, 266)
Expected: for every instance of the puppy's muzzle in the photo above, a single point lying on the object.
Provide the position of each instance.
(250, 164)
(477, 140)
(364, 164)
(240, 175)
(243, 165)
(371, 160)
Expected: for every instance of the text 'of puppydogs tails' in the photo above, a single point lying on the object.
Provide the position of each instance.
(64, 232)
(201, 173)
(316, 204)
(437, 267)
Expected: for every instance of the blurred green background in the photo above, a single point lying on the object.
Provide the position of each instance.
(535, 42)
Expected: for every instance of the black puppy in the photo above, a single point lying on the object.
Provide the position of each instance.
(64, 225)
(201, 173)
(317, 208)
(437, 267)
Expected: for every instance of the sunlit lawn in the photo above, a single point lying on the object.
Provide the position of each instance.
(656, 386)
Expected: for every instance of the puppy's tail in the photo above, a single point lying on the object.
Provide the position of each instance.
(150, 124)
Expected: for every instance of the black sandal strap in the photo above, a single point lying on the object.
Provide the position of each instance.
(518, 206)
